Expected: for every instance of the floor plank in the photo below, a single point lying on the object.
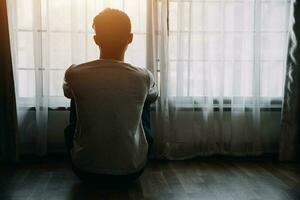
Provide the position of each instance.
(207, 179)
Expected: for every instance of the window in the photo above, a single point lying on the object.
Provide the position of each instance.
(216, 47)
(53, 34)
(226, 47)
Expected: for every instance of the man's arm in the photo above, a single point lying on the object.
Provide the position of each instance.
(67, 90)
(153, 90)
(66, 84)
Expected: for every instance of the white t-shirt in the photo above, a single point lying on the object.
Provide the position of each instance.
(109, 97)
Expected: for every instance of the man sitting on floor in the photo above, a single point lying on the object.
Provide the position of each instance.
(109, 143)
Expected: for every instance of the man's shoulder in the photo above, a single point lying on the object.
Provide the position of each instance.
(82, 65)
(138, 69)
(100, 64)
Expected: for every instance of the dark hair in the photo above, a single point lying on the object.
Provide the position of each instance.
(112, 23)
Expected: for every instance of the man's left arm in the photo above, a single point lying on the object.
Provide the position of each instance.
(153, 90)
(66, 84)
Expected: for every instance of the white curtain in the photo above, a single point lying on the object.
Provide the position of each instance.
(222, 75)
(219, 65)
(47, 37)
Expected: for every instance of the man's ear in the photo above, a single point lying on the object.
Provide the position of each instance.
(96, 39)
(130, 38)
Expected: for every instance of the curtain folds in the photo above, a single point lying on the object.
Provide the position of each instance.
(219, 66)
(47, 37)
(220, 74)
(8, 116)
(290, 124)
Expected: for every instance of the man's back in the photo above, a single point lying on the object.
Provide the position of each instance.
(109, 98)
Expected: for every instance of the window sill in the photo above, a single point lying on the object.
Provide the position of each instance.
(198, 104)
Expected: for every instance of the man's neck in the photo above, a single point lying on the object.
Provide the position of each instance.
(112, 56)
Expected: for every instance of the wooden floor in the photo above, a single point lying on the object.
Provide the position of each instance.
(209, 179)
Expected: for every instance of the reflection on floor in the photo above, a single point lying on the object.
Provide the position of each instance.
(204, 178)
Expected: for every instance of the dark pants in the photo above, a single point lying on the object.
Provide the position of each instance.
(103, 178)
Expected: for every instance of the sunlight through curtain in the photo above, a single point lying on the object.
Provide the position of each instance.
(47, 37)
(223, 76)
(220, 66)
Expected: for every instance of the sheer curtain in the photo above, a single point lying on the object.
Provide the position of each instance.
(219, 65)
(290, 127)
(222, 76)
(47, 37)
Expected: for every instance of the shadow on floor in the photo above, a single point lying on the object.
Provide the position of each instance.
(82, 190)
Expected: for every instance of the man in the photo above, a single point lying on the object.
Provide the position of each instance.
(109, 95)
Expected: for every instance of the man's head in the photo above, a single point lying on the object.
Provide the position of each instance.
(113, 30)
